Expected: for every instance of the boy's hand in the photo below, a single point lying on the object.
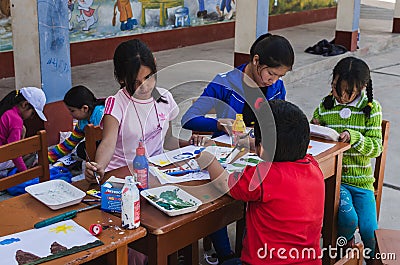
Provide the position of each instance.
(315, 121)
(344, 137)
(204, 159)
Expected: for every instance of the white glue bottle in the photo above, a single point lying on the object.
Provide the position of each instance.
(130, 214)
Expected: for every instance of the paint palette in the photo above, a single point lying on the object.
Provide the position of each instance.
(171, 200)
(56, 194)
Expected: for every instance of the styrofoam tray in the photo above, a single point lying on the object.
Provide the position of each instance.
(181, 194)
(56, 194)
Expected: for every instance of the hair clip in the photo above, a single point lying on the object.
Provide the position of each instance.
(370, 104)
(258, 102)
(16, 92)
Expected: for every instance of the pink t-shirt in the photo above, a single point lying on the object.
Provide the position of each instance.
(11, 127)
(138, 120)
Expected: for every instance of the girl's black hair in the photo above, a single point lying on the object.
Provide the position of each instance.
(128, 58)
(355, 72)
(273, 51)
(292, 130)
(80, 95)
(10, 100)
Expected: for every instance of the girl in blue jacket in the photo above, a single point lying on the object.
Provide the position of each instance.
(271, 56)
(236, 91)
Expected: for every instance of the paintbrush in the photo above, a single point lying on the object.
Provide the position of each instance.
(237, 144)
(234, 148)
(94, 172)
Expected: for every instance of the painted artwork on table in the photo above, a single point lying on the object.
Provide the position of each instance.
(36, 246)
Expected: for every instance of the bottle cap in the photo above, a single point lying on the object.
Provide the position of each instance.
(130, 180)
(239, 116)
(140, 151)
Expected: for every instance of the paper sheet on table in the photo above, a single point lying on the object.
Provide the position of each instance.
(165, 178)
(39, 241)
(176, 155)
(249, 159)
(225, 139)
(315, 148)
(187, 152)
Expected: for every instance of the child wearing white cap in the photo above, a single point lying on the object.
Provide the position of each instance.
(15, 107)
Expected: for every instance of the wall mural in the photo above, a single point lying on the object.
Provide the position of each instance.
(98, 19)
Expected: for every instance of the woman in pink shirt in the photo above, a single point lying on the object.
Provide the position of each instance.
(16, 107)
(139, 111)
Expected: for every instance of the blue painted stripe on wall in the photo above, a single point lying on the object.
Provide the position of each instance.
(356, 20)
(55, 62)
(262, 17)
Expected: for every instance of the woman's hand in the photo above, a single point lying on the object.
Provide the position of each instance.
(344, 137)
(225, 125)
(92, 170)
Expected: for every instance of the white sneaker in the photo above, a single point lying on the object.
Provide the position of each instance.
(211, 257)
(229, 15)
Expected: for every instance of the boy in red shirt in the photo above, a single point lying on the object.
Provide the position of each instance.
(285, 198)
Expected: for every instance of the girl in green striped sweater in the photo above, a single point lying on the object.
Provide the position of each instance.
(351, 110)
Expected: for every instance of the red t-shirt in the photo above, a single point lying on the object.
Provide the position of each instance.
(284, 214)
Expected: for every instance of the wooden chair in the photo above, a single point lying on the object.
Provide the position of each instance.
(35, 144)
(92, 135)
(388, 245)
(380, 163)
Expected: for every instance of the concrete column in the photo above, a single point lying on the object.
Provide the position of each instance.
(251, 22)
(347, 23)
(42, 58)
(25, 43)
(396, 17)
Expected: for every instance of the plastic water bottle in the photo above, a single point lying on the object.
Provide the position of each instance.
(130, 204)
(141, 167)
(238, 129)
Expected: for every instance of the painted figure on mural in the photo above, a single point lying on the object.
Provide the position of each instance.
(125, 15)
(87, 13)
(202, 13)
(71, 4)
(225, 4)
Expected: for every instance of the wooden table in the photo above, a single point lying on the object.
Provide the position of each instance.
(388, 246)
(167, 235)
(22, 212)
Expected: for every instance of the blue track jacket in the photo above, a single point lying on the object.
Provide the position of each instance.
(225, 93)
